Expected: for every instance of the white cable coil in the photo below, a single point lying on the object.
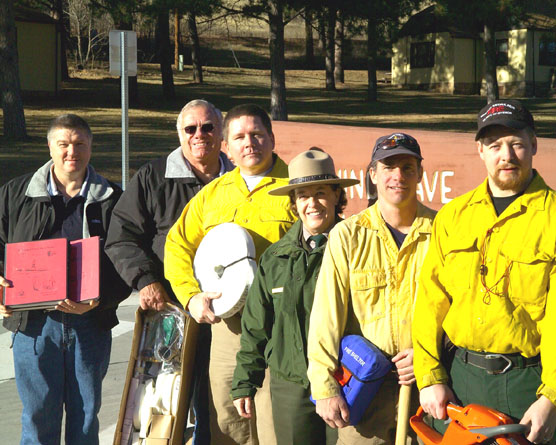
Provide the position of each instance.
(225, 263)
(175, 395)
(164, 391)
(139, 399)
(161, 398)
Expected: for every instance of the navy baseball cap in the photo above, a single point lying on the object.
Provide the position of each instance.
(396, 144)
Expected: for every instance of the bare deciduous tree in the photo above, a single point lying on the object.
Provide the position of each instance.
(91, 32)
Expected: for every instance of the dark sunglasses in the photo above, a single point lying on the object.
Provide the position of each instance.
(205, 128)
(397, 141)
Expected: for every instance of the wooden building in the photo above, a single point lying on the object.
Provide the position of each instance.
(433, 53)
(38, 46)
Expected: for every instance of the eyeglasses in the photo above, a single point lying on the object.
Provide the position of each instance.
(205, 128)
(397, 140)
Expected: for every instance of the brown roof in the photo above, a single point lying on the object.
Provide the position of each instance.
(24, 14)
(428, 21)
(538, 21)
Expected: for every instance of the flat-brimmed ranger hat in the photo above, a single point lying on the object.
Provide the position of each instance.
(508, 113)
(395, 144)
(312, 167)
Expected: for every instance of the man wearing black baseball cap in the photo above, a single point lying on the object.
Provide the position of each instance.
(506, 113)
(367, 286)
(489, 285)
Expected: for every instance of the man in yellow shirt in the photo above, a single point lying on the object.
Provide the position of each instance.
(488, 285)
(367, 285)
(240, 196)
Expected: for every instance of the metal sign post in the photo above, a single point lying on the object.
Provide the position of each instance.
(125, 109)
(123, 62)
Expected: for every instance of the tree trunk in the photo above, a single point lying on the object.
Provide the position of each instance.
(329, 57)
(10, 89)
(132, 85)
(176, 38)
(339, 48)
(195, 48)
(309, 44)
(321, 27)
(63, 25)
(163, 53)
(490, 64)
(89, 42)
(372, 32)
(278, 110)
(79, 45)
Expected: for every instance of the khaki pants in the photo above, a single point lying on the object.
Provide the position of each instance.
(378, 426)
(227, 427)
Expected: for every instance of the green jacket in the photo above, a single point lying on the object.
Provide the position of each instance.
(275, 318)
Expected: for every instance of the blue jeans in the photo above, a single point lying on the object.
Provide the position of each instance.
(60, 361)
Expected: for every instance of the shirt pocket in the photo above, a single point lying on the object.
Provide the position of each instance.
(368, 295)
(220, 216)
(528, 276)
(275, 214)
(461, 261)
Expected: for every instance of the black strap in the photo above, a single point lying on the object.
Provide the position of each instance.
(220, 269)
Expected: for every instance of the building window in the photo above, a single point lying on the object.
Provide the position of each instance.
(547, 52)
(422, 55)
(501, 52)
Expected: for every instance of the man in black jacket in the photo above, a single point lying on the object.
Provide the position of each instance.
(61, 356)
(155, 198)
(151, 204)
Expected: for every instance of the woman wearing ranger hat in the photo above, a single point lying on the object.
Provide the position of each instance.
(275, 319)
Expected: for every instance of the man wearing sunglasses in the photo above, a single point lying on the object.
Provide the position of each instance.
(153, 201)
(489, 286)
(367, 285)
(240, 197)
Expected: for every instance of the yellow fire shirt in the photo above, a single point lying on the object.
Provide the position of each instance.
(366, 286)
(490, 282)
(226, 199)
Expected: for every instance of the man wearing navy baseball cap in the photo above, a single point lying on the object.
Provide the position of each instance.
(367, 286)
(489, 285)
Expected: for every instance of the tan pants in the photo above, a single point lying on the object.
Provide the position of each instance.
(226, 426)
(378, 426)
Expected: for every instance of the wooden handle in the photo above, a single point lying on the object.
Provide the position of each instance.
(404, 403)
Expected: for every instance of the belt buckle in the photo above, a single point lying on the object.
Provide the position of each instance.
(495, 356)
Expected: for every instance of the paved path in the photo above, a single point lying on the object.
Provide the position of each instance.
(10, 406)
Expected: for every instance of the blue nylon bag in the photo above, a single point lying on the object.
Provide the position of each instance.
(363, 369)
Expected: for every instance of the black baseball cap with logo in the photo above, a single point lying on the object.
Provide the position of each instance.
(395, 144)
(508, 113)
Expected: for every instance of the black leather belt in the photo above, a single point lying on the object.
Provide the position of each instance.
(497, 363)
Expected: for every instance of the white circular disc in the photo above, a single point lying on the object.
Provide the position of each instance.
(175, 395)
(216, 268)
